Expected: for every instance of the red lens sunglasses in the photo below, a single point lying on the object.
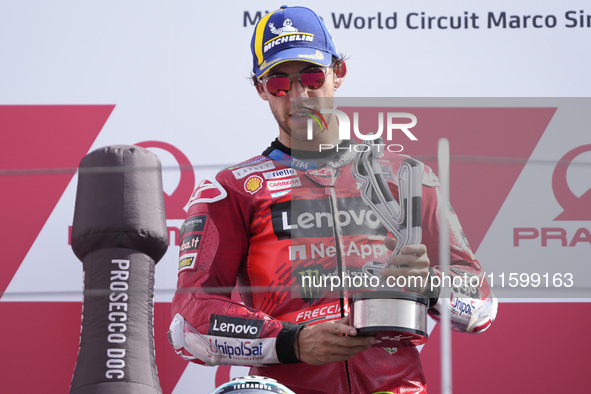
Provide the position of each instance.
(279, 85)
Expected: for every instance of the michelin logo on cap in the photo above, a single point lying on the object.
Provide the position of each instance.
(291, 34)
(285, 34)
(287, 27)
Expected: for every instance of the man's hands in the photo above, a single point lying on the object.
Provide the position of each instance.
(337, 340)
(328, 342)
(412, 263)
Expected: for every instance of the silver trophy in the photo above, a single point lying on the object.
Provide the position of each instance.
(395, 317)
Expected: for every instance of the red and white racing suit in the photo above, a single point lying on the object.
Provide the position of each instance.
(267, 224)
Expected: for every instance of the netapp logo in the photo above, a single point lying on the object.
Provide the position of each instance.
(313, 218)
(228, 326)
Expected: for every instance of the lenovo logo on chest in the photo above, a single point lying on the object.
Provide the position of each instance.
(314, 218)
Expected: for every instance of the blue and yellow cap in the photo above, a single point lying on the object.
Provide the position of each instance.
(288, 34)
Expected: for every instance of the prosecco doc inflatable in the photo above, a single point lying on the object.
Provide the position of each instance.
(119, 233)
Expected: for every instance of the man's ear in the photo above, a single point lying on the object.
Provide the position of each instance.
(340, 71)
(260, 89)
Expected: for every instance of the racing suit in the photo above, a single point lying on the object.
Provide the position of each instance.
(266, 225)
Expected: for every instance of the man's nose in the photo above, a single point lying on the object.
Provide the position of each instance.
(297, 90)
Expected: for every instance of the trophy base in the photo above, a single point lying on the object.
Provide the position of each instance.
(395, 319)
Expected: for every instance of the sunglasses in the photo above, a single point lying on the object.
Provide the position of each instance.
(279, 85)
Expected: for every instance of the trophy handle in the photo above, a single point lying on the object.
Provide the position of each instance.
(402, 218)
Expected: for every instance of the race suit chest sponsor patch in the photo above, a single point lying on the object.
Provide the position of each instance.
(286, 183)
(280, 193)
(285, 172)
(245, 171)
(313, 218)
(236, 327)
(249, 163)
(253, 184)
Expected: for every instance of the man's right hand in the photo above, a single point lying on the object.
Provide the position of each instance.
(328, 342)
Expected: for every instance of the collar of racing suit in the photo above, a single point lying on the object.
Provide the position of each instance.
(336, 157)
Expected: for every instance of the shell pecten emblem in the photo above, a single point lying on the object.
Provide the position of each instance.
(253, 184)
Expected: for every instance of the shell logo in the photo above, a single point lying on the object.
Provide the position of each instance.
(253, 184)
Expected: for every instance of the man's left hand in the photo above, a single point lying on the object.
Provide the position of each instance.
(412, 263)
